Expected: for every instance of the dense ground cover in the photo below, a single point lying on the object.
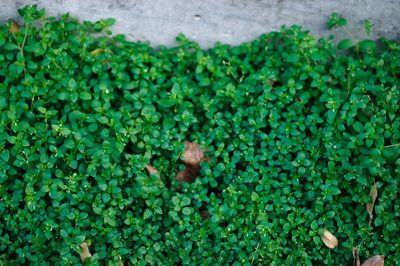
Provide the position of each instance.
(99, 157)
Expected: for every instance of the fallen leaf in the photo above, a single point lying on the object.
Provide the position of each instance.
(85, 251)
(96, 51)
(183, 176)
(188, 174)
(356, 257)
(193, 155)
(329, 239)
(204, 214)
(151, 169)
(370, 206)
(14, 27)
(377, 260)
(270, 82)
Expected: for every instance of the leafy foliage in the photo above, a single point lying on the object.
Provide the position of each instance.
(94, 130)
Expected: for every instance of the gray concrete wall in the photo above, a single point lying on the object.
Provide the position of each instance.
(228, 21)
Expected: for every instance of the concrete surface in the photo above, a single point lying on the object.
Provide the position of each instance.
(228, 21)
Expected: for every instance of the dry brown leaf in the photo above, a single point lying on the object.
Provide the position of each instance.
(356, 257)
(96, 51)
(270, 82)
(189, 174)
(14, 27)
(183, 176)
(204, 214)
(151, 169)
(193, 155)
(85, 251)
(370, 206)
(377, 260)
(329, 239)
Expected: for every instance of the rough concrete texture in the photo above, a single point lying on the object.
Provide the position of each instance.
(228, 21)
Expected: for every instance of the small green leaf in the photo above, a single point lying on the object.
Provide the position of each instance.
(84, 95)
(368, 25)
(185, 201)
(147, 214)
(367, 46)
(345, 44)
(42, 109)
(166, 102)
(293, 58)
(5, 155)
(187, 211)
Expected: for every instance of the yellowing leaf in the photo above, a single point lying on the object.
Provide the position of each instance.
(377, 260)
(14, 28)
(85, 251)
(370, 206)
(96, 51)
(329, 239)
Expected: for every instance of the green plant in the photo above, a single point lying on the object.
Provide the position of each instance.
(359, 44)
(293, 139)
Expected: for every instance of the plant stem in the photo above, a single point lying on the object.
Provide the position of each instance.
(393, 145)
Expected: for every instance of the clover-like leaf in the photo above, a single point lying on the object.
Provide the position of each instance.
(336, 20)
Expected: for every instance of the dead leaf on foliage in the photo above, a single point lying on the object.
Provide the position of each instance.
(270, 82)
(193, 154)
(14, 27)
(151, 170)
(96, 51)
(184, 176)
(192, 157)
(329, 239)
(377, 260)
(85, 251)
(370, 206)
(188, 174)
(356, 257)
(204, 214)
